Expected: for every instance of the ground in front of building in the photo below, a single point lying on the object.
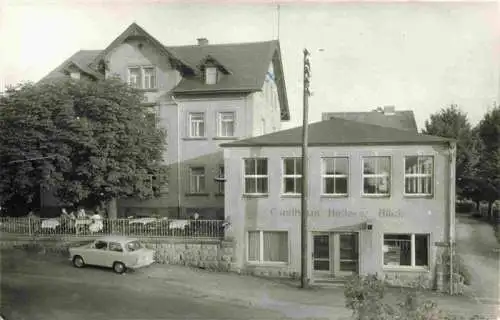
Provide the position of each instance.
(43, 287)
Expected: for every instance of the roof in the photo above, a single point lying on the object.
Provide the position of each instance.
(404, 120)
(339, 131)
(247, 65)
(248, 62)
(81, 59)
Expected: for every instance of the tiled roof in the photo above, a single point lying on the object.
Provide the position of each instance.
(248, 63)
(338, 131)
(81, 59)
(404, 120)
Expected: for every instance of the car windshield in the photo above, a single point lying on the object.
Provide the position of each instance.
(134, 245)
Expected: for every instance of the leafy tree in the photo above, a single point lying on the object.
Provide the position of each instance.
(88, 142)
(452, 123)
(488, 166)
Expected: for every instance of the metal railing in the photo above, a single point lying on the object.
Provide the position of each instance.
(141, 227)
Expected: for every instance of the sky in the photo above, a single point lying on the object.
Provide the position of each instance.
(419, 56)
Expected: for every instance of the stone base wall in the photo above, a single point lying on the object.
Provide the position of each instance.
(409, 278)
(207, 254)
(269, 271)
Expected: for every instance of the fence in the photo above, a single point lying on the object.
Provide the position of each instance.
(152, 227)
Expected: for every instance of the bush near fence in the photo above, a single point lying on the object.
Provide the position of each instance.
(126, 227)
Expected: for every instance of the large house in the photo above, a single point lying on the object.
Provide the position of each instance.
(381, 201)
(203, 94)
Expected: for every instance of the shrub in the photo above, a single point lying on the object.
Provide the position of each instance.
(365, 296)
(363, 288)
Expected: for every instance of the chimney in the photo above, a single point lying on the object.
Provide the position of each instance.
(202, 41)
(389, 110)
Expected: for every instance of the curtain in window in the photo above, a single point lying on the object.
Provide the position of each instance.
(276, 246)
(253, 246)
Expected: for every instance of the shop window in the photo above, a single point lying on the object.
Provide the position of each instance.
(268, 246)
(407, 250)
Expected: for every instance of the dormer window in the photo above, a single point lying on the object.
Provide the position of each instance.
(75, 75)
(211, 75)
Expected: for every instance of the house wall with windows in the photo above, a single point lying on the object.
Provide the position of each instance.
(400, 211)
(203, 95)
(140, 64)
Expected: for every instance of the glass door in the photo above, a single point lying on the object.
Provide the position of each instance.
(347, 254)
(321, 256)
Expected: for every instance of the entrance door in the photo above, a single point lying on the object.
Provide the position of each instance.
(335, 254)
(346, 252)
(322, 267)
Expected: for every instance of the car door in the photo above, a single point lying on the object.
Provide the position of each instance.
(97, 254)
(115, 253)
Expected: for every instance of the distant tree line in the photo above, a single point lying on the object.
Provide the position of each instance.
(478, 152)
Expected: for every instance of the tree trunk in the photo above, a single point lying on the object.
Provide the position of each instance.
(490, 210)
(478, 206)
(112, 209)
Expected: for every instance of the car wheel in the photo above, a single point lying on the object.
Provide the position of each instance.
(119, 267)
(78, 262)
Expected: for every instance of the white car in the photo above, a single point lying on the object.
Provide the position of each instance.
(117, 252)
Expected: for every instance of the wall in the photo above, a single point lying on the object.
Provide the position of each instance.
(208, 254)
(266, 106)
(280, 212)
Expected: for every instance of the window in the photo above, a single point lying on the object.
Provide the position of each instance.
(376, 175)
(75, 75)
(268, 246)
(101, 245)
(226, 124)
(221, 183)
(211, 75)
(114, 246)
(263, 123)
(410, 250)
(419, 175)
(256, 176)
(149, 78)
(197, 180)
(142, 77)
(335, 175)
(197, 124)
(292, 175)
(134, 246)
(134, 77)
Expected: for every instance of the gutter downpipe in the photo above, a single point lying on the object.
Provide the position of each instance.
(178, 157)
(451, 190)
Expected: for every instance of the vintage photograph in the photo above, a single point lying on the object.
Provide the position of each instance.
(249, 160)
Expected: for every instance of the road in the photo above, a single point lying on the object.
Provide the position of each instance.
(478, 247)
(39, 288)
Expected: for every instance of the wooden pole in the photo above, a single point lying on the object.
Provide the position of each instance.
(303, 234)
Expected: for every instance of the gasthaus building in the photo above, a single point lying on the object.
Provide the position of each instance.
(381, 201)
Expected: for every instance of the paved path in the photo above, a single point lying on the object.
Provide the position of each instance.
(477, 245)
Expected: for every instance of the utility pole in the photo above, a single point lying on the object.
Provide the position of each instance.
(303, 226)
